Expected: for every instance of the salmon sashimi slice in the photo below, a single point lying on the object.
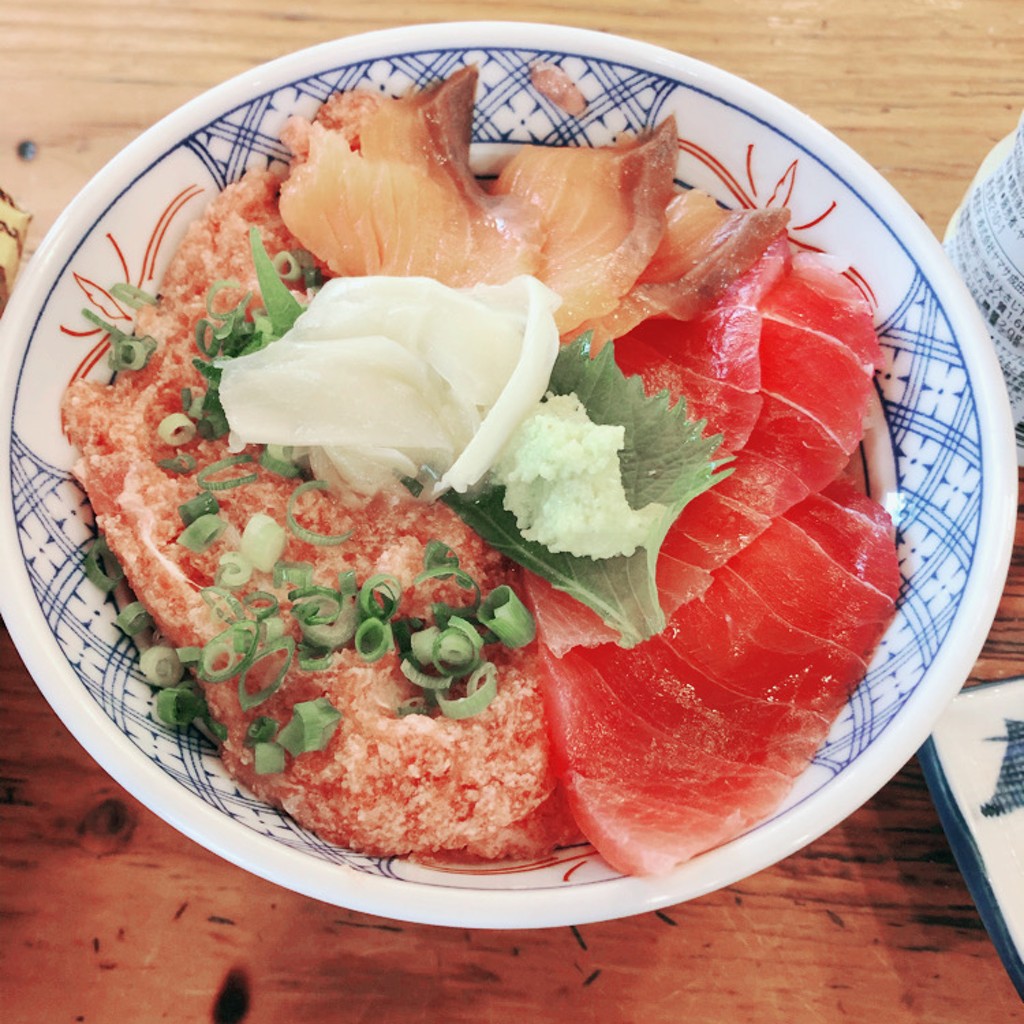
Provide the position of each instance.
(602, 213)
(705, 250)
(401, 198)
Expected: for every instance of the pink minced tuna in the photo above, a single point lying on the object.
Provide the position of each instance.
(384, 784)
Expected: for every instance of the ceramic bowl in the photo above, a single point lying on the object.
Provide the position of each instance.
(939, 454)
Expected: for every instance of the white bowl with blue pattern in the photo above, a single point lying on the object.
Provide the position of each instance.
(940, 453)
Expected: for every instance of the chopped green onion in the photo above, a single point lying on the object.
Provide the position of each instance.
(313, 658)
(271, 628)
(379, 597)
(183, 462)
(437, 554)
(130, 353)
(261, 730)
(456, 649)
(287, 266)
(102, 567)
(481, 689)
(179, 705)
(201, 505)
(316, 606)
(248, 700)
(237, 310)
(230, 652)
(312, 277)
(348, 585)
(441, 563)
(133, 619)
(505, 615)
(424, 680)
(327, 619)
(263, 541)
(268, 758)
(403, 631)
(277, 458)
(413, 706)
(188, 656)
(127, 352)
(161, 665)
(223, 604)
(333, 635)
(131, 295)
(373, 639)
(298, 573)
(202, 532)
(233, 570)
(311, 727)
(176, 429)
(192, 402)
(262, 604)
(217, 728)
(205, 477)
(302, 532)
(421, 644)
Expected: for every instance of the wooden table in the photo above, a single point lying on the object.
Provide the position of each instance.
(109, 915)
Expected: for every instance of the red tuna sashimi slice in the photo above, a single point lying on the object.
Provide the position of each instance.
(844, 608)
(712, 362)
(602, 214)
(562, 621)
(745, 682)
(835, 395)
(623, 723)
(819, 299)
(722, 521)
(405, 202)
(852, 528)
(652, 832)
(815, 390)
(760, 651)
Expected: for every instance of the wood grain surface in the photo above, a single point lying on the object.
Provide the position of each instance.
(109, 915)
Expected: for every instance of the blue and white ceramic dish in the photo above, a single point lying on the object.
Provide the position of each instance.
(940, 453)
(974, 764)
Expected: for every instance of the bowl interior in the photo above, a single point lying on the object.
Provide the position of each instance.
(939, 451)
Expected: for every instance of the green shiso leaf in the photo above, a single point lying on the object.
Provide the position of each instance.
(282, 307)
(665, 459)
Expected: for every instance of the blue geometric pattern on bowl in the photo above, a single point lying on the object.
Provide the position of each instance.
(924, 390)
